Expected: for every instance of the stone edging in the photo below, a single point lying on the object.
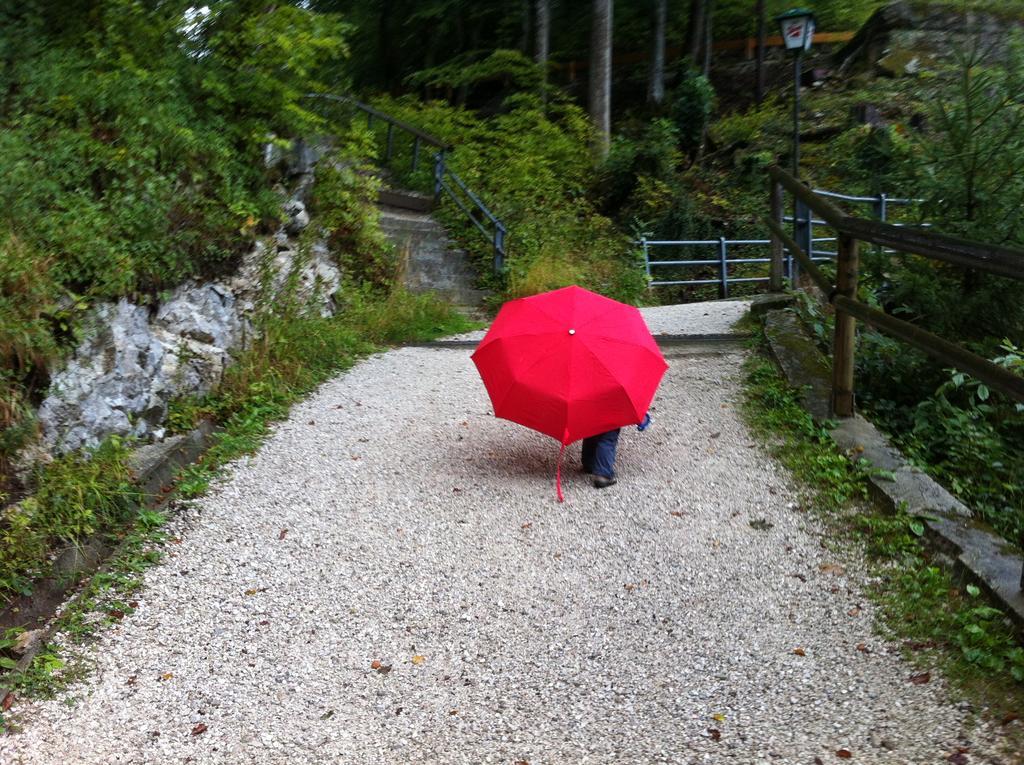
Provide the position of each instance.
(155, 467)
(974, 550)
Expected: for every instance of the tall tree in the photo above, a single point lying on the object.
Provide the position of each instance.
(601, 73)
(762, 35)
(695, 30)
(708, 36)
(542, 42)
(656, 83)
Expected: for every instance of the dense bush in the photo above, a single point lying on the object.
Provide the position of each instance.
(131, 156)
(531, 163)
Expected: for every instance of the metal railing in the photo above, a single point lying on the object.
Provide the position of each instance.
(722, 261)
(445, 181)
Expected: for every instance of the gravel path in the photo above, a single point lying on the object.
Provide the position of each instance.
(647, 623)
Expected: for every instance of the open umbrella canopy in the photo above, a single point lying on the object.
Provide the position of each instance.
(570, 364)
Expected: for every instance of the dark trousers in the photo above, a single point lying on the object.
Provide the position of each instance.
(599, 453)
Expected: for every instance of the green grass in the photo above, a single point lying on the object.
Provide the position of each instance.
(941, 622)
(82, 495)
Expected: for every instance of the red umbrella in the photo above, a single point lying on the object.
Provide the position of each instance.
(570, 364)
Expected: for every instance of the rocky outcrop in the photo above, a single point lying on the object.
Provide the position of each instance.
(134, 359)
(902, 38)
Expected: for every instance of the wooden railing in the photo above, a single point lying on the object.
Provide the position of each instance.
(991, 259)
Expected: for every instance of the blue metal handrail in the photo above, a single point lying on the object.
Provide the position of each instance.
(468, 202)
(722, 245)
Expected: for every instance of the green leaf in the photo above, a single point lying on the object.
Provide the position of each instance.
(973, 590)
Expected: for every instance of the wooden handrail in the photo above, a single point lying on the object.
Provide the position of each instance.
(993, 259)
(993, 375)
(808, 265)
(962, 252)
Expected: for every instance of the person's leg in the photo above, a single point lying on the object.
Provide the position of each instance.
(604, 455)
(587, 454)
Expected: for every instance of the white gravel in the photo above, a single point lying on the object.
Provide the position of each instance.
(623, 626)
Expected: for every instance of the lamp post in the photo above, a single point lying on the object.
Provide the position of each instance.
(797, 27)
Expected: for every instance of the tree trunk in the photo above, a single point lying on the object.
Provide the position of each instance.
(524, 38)
(708, 36)
(601, 73)
(543, 31)
(695, 30)
(762, 36)
(542, 41)
(656, 86)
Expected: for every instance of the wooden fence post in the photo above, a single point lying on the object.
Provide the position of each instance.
(847, 270)
(775, 267)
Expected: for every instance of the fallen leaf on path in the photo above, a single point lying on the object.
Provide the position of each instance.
(25, 639)
(115, 613)
(853, 611)
(799, 652)
(958, 758)
(528, 525)
(718, 717)
(283, 533)
(832, 568)
(418, 659)
(255, 590)
(453, 712)
(265, 622)
(8, 700)
(801, 577)
(863, 648)
(375, 664)
(817, 761)
(676, 514)
(457, 490)
(199, 729)
(327, 715)
(522, 762)
(921, 679)
(716, 435)
(761, 524)
(312, 422)
(383, 669)
(166, 675)
(844, 754)
(1009, 717)
(716, 735)
(131, 680)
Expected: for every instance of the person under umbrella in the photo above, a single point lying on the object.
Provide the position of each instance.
(571, 364)
(598, 455)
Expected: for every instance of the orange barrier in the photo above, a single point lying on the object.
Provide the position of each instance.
(746, 44)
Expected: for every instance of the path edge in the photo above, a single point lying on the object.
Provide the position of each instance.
(970, 548)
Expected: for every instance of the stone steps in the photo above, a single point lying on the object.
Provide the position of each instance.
(432, 264)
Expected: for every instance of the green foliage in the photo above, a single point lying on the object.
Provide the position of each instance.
(650, 159)
(531, 164)
(345, 203)
(973, 642)
(76, 496)
(774, 410)
(130, 157)
(975, 151)
(972, 440)
(752, 126)
(921, 603)
(691, 105)
(508, 68)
